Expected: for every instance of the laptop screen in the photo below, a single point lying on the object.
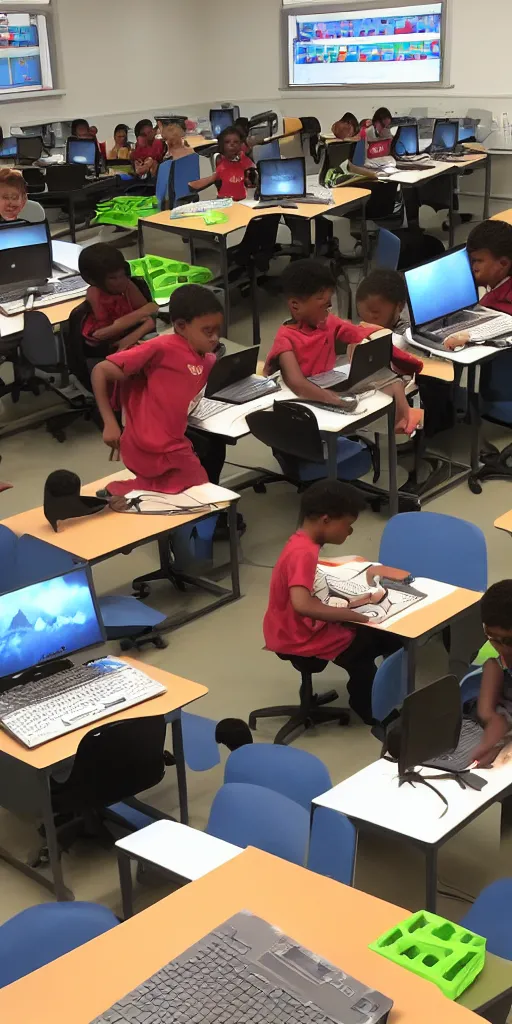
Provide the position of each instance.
(25, 253)
(48, 620)
(441, 287)
(220, 119)
(445, 135)
(8, 147)
(406, 140)
(82, 151)
(29, 147)
(286, 178)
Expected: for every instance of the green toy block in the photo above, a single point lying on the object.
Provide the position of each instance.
(125, 211)
(163, 276)
(485, 652)
(436, 949)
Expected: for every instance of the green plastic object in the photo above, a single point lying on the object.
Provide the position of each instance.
(163, 276)
(125, 211)
(215, 217)
(485, 652)
(435, 949)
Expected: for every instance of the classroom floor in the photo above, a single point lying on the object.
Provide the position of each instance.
(225, 652)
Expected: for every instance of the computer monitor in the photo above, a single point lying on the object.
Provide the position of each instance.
(25, 253)
(29, 147)
(8, 148)
(48, 620)
(467, 132)
(221, 119)
(430, 723)
(407, 140)
(440, 287)
(445, 134)
(282, 178)
(81, 151)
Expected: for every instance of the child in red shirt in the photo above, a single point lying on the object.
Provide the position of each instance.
(489, 248)
(120, 315)
(160, 380)
(307, 344)
(298, 623)
(231, 173)
(149, 151)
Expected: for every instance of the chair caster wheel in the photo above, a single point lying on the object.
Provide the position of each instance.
(140, 590)
(344, 718)
(126, 645)
(474, 486)
(259, 488)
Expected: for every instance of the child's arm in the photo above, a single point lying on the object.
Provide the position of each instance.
(203, 182)
(138, 300)
(135, 336)
(495, 725)
(300, 385)
(104, 374)
(138, 316)
(311, 607)
(457, 340)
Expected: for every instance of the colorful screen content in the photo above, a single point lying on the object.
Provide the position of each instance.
(24, 53)
(400, 45)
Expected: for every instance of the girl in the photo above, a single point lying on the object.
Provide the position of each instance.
(14, 204)
(234, 172)
(119, 314)
(121, 149)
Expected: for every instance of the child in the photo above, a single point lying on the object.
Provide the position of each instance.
(346, 128)
(232, 174)
(14, 204)
(379, 141)
(489, 248)
(494, 707)
(173, 134)
(120, 315)
(121, 149)
(381, 299)
(307, 344)
(298, 623)
(160, 381)
(81, 129)
(149, 151)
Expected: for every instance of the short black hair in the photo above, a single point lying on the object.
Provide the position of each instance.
(191, 300)
(388, 284)
(242, 125)
(98, 260)
(121, 128)
(494, 235)
(77, 123)
(331, 498)
(304, 278)
(225, 133)
(381, 114)
(352, 120)
(143, 123)
(496, 605)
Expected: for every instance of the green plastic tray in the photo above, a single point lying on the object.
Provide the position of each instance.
(436, 949)
(125, 211)
(163, 276)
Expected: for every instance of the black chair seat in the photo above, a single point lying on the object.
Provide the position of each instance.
(312, 665)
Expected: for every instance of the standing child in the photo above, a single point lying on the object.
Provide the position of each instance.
(119, 314)
(494, 707)
(298, 623)
(231, 175)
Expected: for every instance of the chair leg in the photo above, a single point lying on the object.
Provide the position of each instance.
(311, 711)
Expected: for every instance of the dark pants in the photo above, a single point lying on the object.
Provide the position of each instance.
(210, 450)
(359, 661)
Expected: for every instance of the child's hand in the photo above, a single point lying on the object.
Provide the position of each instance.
(456, 340)
(495, 731)
(112, 434)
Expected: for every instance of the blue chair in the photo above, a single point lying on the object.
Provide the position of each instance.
(332, 845)
(436, 546)
(267, 151)
(294, 773)
(43, 933)
(199, 744)
(359, 154)
(249, 815)
(162, 183)
(491, 916)
(387, 252)
(182, 171)
(496, 406)
(389, 686)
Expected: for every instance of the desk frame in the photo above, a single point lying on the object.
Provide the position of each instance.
(70, 197)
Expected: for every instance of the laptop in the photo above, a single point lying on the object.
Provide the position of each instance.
(283, 183)
(84, 152)
(8, 148)
(246, 970)
(445, 140)
(443, 299)
(42, 695)
(29, 149)
(370, 367)
(220, 119)
(433, 731)
(231, 382)
(407, 149)
(26, 263)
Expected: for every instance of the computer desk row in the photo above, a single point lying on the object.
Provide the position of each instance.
(335, 921)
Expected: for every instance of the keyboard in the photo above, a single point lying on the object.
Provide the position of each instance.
(198, 209)
(459, 759)
(329, 378)
(247, 390)
(207, 407)
(482, 327)
(66, 288)
(320, 192)
(414, 163)
(46, 708)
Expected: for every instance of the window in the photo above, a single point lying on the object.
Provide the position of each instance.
(24, 53)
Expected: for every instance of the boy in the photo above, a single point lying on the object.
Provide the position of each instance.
(149, 151)
(347, 127)
(119, 314)
(381, 299)
(378, 141)
(298, 623)
(489, 248)
(494, 707)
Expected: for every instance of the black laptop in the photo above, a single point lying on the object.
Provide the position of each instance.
(231, 379)
(370, 367)
(283, 183)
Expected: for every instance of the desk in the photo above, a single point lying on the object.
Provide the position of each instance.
(57, 314)
(373, 800)
(239, 218)
(504, 522)
(505, 215)
(25, 774)
(98, 537)
(335, 921)
(69, 198)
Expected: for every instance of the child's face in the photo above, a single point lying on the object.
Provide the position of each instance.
(375, 309)
(146, 135)
(501, 640)
(12, 201)
(120, 138)
(313, 310)
(489, 270)
(336, 531)
(202, 333)
(83, 131)
(345, 130)
(382, 126)
(116, 282)
(232, 146)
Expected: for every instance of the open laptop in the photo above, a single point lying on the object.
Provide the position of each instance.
(445, 140)
(283, 183)
(84, 152)
(443, 299)
(370, 367)
(433, 731)
(42, 695)
(221, 118)
(231, 382)
(29, 149)
(407, 149)
(26, 263)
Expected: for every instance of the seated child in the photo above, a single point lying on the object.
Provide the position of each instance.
(489, 247)
(159, 382)
(234, 173)
(148, 151)
(81, 129)
(346, 127)
(378, 141)
(121, 149)
(173, 135)
(308, 343)
(494, 708)
(381, 298)
(298, 623)
(120, 315)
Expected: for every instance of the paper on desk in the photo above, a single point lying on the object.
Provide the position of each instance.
(336, 585)
(251, 203)
(203, 496)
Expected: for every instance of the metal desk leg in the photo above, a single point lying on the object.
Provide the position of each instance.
(61, 891)
(192, 247)
(224, 269)
(431, 880)
(256, 332)
(179, 757)
(451, 233)
(233, 550)
(364, 239)
(487, 186)
(332, 456)
(409, 667)
(474, 415)
(393, 490)
(124, 864)
(72, 218)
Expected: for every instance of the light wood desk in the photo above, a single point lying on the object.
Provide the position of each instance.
(505, 215)
(25, 775)
(57, 314)
(504, 522)
(333, 920)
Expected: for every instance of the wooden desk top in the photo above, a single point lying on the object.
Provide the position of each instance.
(240, 216)
(179, 693)
(504, 522)
(335, 921)
(417, 623)
(505, 215)
(442, 369)
(99, 535)
(57, 314)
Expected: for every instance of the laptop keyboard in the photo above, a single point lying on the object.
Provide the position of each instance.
(65, 288)
(207, 407)
(481, 327)
(329, 378)
(459, 759)
(246, 390)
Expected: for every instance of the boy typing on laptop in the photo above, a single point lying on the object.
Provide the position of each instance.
(489, 247)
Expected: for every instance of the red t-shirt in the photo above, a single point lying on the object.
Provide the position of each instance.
(156, 151)
(231, 175)
(500, 298)
(287, 632)
(314, 347)
(107, 308)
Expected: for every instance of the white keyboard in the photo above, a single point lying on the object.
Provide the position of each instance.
(482, 328)
(197, 209)
(321, 192)
(207, 407)
(42, 710)
(63, 290)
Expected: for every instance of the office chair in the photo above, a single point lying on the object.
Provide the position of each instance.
(387, 250)
(35, 180)
(490, 916)
(438, 547)
(311, 129)
(495, 397)
(248, 815)
(332, 845)
(162, 183)
(182, 171)
(388, 691)
(335, 155)
(267, 120)
(294, 773)
(311, 710)
(252, 256)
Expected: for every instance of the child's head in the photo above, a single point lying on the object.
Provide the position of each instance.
(80, 128)
(308, 286)
(496, 609)
(197, 315)
(13, 193)
(331, 508)
(121, 135)
(490, 251)
(381, 120)
(230, 143)
(104, 266)
(172, 131)
(347, 126)
(144, 131)
(381, 298)
(242, 126)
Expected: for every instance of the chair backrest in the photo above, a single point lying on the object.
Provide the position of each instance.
(359, 154)
(39, 345)
(291, 147)
(436, 546)
(470, 685)
(389, 686)
(162, 182)
(295, 773)
(183, 170)
(248, 815)
(291, 124)
(335, 153)
(387, 252)
(258, 244)
(47, 931)
(35, 179)
(491, 916)
(290, 428)
(332, 845)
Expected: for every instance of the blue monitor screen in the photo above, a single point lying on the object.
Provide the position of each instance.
(445, 135)
(441, 287)
(8, 148)
(406, 140)
(282, 177)
(47, 620)
(82, 151)
(19, 235)
(465, 133)
(220, 119)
